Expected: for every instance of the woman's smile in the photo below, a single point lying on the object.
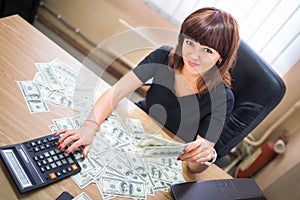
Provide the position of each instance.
(193, 64)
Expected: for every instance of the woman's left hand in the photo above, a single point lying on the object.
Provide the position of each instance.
(198, 151)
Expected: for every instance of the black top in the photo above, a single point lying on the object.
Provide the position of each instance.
(185, 116)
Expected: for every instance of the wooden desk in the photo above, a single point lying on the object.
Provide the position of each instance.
(21, 45)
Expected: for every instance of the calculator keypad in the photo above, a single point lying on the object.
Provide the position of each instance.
(51, 162)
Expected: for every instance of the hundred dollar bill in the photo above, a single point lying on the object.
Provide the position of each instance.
(136, 128)
(63, 123)
(64, 69)
(115, 120)
(82, 196)
(49, 76)
(32, 96)
(83, 179)
(53, 128)
(115, 131)
(123, 188)
(154, 140)
(163, 151)
(119, 165)
(38, 78)
(59, 99)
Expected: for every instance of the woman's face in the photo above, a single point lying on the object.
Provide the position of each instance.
(198, 58)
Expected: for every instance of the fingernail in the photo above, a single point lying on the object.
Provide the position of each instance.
(67, 151)
(58, 143)
(178, 158)
(55, 134)
(59, 148)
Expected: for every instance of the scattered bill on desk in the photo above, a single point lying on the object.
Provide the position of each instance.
(63, 123)
(59, 99)
(82, 196)
(50, 76)
(135, 127)
(64, 70)
(56, 83)
(123, 188)
(32, 97)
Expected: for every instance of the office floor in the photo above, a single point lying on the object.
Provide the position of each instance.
(135, 97)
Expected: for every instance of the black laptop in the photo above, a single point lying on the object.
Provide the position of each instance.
(225, 189)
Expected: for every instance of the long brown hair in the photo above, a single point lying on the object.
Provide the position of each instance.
(214, 28)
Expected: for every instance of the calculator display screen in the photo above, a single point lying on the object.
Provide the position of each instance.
(17, 168)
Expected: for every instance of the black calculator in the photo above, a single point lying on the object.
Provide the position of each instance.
(36, 163)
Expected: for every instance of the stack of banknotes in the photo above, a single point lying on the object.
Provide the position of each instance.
(54, 84)
(123, 160)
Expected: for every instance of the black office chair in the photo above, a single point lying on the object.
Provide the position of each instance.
(257, 90)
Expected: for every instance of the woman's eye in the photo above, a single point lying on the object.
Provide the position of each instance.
(189, 42)
(208, 50)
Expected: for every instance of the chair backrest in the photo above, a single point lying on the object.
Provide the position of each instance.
(257, 90)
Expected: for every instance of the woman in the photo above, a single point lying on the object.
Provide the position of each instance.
(190, 94)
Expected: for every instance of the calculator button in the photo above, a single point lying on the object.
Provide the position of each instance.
(35, 158)
(41, 157)
(50, 160)
(53, 165)
(46, 154)
(44, 162)
(74, 167)
(66, 155)
(39, 142)
(27, 145)
(33, 144)
(51, 138)
(64, 171)
(70, 160)
(36, 149)
(47, 146)
(55, 158)
(64, 161)
(52, 153)
(42, 169)
(47, 167)
(58, 173)
(60, 156)
(52, 175)
(58, 163)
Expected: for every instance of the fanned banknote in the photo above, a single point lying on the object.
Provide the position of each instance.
(154, 146)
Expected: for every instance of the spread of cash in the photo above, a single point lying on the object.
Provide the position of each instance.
(123, 160)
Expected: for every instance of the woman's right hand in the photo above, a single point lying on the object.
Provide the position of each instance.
(82, 137)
